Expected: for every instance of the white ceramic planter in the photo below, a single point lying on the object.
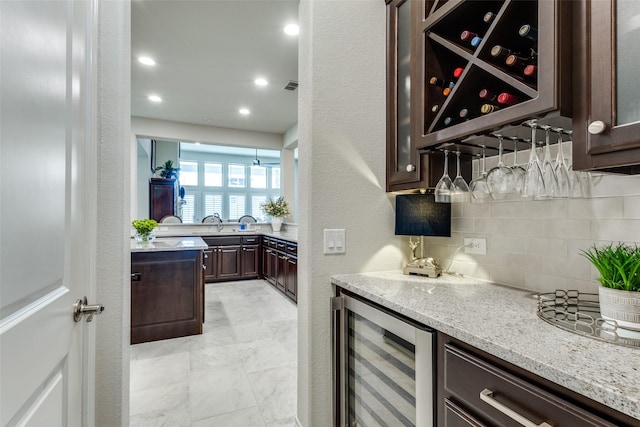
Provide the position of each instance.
(621, 306)
(276, 223)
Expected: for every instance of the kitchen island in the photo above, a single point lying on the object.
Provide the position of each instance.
(167, 288)
(502, 323)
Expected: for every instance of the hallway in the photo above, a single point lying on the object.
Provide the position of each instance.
(241, 371)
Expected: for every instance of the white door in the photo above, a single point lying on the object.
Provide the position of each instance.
(46, 249)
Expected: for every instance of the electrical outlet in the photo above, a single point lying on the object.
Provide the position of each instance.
(475, 245)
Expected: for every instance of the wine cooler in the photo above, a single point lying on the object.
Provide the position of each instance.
(382, 365)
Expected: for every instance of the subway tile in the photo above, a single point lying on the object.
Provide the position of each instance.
(604, 185)
(604, 207)
(486, 226)
(543, 282)
(508, 276)
(568, 228)
(477, 210)
(523, 262)
(505, 244)
(631, 209)
(462, 224)
(546, 246)
(616, 230)
(587, 286)
(570, 267)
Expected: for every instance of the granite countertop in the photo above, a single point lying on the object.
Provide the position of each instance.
(206, 230)
(503, 322)
(163, 244)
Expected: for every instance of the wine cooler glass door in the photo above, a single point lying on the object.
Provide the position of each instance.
(387, 370)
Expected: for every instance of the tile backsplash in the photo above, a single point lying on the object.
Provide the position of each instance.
(535, 245)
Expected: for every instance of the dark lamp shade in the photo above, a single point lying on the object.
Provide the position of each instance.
(420, 215)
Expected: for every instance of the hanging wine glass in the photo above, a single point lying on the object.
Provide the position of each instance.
(444, 187)
(460, 188)
(478, 187)
(519, 172)
(533, 182)
(548, 174)
(500, 178)
(561, 170)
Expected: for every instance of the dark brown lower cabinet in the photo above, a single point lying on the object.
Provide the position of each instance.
(250, 261)
(166, 295)
(280, 266)
(232, 258)
(291, 278)
(477, 389)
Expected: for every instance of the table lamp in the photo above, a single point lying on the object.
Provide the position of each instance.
(420, 215)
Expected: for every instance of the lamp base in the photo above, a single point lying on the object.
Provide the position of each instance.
(423, 267)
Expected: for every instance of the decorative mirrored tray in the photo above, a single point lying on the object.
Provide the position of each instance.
(579, 312)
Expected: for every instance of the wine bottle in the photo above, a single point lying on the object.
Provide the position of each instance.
(435, 108)
(446, 91)
(458, 72)
(530, 70)
(476, 41)
(466, 114)
(487, 95)
(489, 17)
(529, 32)
(435, 81)
(507, 99)
(448, 121)
(516, 61)
(467, 36)
(501, 52)
(488, 108)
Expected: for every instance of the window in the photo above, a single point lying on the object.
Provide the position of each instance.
(188, 173)
(237, 176)
(236, 206)
(258, 177)
(256, 212)
(275, 177)
(189, 209)
(213, 174)
(212, 204)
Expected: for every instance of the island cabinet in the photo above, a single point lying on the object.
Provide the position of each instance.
(166, 295)
(232, 258)
(478, 389)
(280, 265)
(606, 113)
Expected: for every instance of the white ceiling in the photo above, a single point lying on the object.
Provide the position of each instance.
(208, 54)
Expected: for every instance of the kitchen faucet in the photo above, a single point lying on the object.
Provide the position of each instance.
(218, 221)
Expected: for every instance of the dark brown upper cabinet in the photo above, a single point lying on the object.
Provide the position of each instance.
(407, 167)
(606, 110)
(464, 86)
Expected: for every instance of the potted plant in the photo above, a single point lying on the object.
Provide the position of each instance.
(167, 170)
(276, 209)
(619, 268)
(144, 229)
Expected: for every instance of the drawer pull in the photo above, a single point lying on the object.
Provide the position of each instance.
(486, 395)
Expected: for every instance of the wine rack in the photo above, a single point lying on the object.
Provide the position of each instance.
(464, 46)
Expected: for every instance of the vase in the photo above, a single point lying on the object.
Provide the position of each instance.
(276, 223)
(621, 306)
(145, 237)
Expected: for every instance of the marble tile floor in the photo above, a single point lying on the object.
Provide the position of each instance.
(242, 371)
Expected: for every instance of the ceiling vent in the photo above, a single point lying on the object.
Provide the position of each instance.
(291, 85)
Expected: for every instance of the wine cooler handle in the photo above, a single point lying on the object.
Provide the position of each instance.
(596, 127)
(411, 168)
(486, 395)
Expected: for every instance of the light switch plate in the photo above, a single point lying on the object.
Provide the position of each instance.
(334, 241)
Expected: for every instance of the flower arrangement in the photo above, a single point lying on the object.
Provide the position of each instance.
(275, 208)
(619, 266)
(167, 170)
(144, 229)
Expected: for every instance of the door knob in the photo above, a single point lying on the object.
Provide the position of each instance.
(80, 308)
(596, 127)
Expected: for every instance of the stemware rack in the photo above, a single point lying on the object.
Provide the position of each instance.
(457, 64)
(579, 312)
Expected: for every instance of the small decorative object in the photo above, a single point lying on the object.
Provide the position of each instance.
(144, 229)
(619, 268)
(276, 210)
(167, 170)
(423, 267)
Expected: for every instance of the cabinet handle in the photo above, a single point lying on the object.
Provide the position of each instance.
(411, 168)
(596, 127)
(204, 267)
(135, 277)
(486, 395)
(206, 256)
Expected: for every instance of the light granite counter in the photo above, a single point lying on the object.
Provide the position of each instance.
(503, 322)
(163, 244)
(228, 229)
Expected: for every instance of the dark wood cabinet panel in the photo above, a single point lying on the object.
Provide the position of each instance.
(465, 373)
(601, 40)
(291, 278)
(229, 258)
(280, 266)
(210, 262)
(233, 258)
(166, 295)
(250, 261)
(162, 198)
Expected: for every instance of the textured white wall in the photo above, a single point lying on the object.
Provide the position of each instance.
(341, 133)
(113, 259)
(535, 244)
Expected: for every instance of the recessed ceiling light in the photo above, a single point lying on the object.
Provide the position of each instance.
(261, 82)
(155, 98)
(244, 111)
(292, 30)
(146, 60)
